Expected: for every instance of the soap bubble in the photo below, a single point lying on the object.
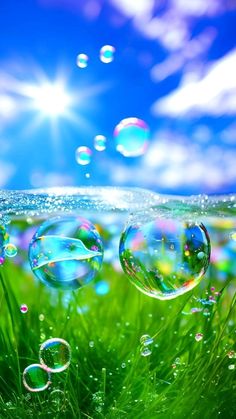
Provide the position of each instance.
(10, 250)
(107, 54)
(36, 378)
(23, 308)
(55, 355)
(100, 142)
(161, 256)
(66, 252)
(146, 340)
(83, 155)
(82, 60)
(132, 137)
(198, 337)
(4, 239)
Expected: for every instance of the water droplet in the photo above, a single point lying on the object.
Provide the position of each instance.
(23, 308)
(4, 239)
(100, 142)
(36, 378)
(231, 367)
(198, 337)
(107, 54)
(55, 354)
(132, 137)
(145, 351)
(83, 155)
(41, 317)
(91, 344)
(82, 60)
(123, 365)
(62, 255)
(10, 250)
(156, 270)
(146, 340)
(102, 288)
(231, 354)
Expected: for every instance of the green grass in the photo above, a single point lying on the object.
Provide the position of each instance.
(181, 379)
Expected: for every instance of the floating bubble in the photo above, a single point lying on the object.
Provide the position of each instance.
(83, 155)
(36, 378)
(198, 337)
(82, 60)
(154, 256)
(66, 252)
(145, 351)
(100, 142)
(102, 288)
(132, 137)
(107, 54)
(10, 250)
(55, 355)
(23, 308)
(146, 340)
(4, 239)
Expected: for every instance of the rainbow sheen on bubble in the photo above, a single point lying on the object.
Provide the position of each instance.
(82, 60)
(161, 257)
(10, 250)
(36, 378)
(55, 354)
(66, 252)
(4, 240)
(107, 54)
(100, 142)
(132, 137)
(83, 155)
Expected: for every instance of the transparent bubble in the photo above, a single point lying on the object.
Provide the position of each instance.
(82, 60)
(161, 256)
(100, 142)
(107, 54)
(23, 308)
(83, 155)
(146, 340)
(4, 239)
(10, 250)
(102, 288)
(36, 378)
(145, 351)
(66, 252)
(231, 367)
(55, 354)
(198, 337)
(132, 137)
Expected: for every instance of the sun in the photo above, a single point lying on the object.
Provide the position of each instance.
(51, 99)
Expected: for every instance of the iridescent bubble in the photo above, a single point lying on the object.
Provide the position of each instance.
(83, 155)
(10, 250)
(82, 60)
(161, 256)
(36, 378)
(23, 308)
(100, 142)
(132, 137)
(66, 252)
(55, 355)
(4, 239)
(146, 340)
(107, 54)
(145, 351)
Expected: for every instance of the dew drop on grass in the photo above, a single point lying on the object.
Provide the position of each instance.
(91, 344)
(82, 60)
(198, 337)
(66, 252)
(23, 308)
(132, 137)
(107, 54)
(100, 142)
(36, 378)
(231, 367)
(146, 340)
(83, 155)
(231, 354)
(153, 255)
(145, 351)
(55, 354)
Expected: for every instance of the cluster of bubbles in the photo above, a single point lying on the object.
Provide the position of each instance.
(54, 357)
(106, 55)
(165, 258)
(66, 252)
(146, 341)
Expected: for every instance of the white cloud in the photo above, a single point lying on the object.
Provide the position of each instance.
(7, 170)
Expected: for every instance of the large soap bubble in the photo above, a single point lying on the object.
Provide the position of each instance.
(66, 252)
(165, 258)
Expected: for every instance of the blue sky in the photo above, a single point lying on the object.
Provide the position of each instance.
(174, 67)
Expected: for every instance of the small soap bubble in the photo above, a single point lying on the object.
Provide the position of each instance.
(146, 340)
(23, 308)
(231, 354)
(82, 60)
(198, 337)
(55, 354)
(231, 367)
(123, 365)
(100, 142)
(154, 267)
(10, 250)
(107, 54)
(4, 240)
(83, 155)
(87, 175)
(36, 378)
(132, 137)
(66, 252)
(145, 351)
